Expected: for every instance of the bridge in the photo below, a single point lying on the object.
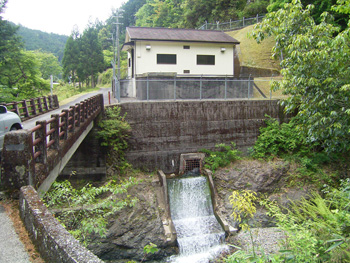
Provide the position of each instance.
(35, 156)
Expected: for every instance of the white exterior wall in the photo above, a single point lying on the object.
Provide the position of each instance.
(186, 59)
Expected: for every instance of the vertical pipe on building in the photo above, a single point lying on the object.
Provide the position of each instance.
(270, 87)
(225, 87)
(200, 88)
(175, 87)
(249, 86)
(147, 91)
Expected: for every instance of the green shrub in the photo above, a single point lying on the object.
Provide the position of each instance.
(318, 229)
(278, 140)
(105, 78)
(223, 156)
(86, 210)
(114, 131)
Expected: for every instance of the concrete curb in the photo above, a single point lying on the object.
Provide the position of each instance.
(52, 240)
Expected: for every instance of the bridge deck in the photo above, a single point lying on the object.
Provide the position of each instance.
(31, 123)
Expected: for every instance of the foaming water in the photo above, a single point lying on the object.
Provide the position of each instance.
(199, 235)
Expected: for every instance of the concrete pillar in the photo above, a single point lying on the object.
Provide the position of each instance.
(17, 160)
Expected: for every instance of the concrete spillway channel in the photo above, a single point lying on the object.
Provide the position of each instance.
(193, 221)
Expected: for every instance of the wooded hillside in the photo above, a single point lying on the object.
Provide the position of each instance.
(38, 40)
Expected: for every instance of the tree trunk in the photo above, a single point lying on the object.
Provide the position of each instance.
(92, 81)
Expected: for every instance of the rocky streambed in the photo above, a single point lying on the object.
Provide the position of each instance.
(132, 228)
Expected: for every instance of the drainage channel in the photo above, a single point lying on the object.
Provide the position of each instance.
(200, 237)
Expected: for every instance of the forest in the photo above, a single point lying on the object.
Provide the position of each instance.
(83, 56)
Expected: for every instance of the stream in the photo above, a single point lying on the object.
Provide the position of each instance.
(200, 236)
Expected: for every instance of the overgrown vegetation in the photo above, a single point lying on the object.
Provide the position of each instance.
(23, 74)
(86, 211)
(314, 65)
(114, 131)
(284, 140)
(223, 156)
(317, 229)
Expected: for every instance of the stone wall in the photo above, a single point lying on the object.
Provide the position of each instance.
(161, 131)
(52, 240)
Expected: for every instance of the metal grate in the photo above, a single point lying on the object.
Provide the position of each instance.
(193, 165)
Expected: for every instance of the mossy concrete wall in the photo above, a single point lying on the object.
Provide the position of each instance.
(161, 131)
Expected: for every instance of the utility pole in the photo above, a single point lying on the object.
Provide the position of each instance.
(113, 65)
(117, 79)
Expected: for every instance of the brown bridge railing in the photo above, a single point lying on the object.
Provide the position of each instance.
(27, 109)
(30, 155)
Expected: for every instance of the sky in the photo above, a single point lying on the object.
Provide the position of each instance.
(58, 16)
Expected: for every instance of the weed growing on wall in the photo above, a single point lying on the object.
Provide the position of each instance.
(86, 211)
(221, 157)
(114, 131)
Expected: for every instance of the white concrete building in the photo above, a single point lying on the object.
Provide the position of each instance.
(180, 51)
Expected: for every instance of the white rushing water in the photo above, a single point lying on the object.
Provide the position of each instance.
(199, 235)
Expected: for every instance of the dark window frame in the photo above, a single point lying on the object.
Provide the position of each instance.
(166, 59)
(206, 60)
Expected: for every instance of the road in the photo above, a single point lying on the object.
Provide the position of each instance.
(31, 122)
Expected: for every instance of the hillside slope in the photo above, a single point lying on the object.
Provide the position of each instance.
(253, 54)
(39, 40)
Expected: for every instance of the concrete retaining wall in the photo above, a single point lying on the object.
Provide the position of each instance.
(161, 131)
(88, 160)
(52, 240)
(257, 72)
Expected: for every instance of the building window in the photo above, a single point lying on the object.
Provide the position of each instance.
(166, 59)
(205, 60)
(186, 71)
(186, 47)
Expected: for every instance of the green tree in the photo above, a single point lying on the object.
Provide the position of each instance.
(91, 56)
(49, 64)
(20, 75)
(71, 56)
(196, 12)
(130, 8)
(320, 6)
(315, 70)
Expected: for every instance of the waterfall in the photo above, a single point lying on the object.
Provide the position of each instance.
(199, 235)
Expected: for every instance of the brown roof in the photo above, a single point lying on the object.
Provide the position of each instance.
(176, 34)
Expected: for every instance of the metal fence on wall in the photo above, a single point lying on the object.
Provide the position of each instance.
(197, 88)
(232, 24)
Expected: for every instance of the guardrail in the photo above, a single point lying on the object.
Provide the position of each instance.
(232, 24)
(30, 108)
(59, 127)
(37, 151)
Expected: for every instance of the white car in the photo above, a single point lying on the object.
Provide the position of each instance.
(9, 121)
